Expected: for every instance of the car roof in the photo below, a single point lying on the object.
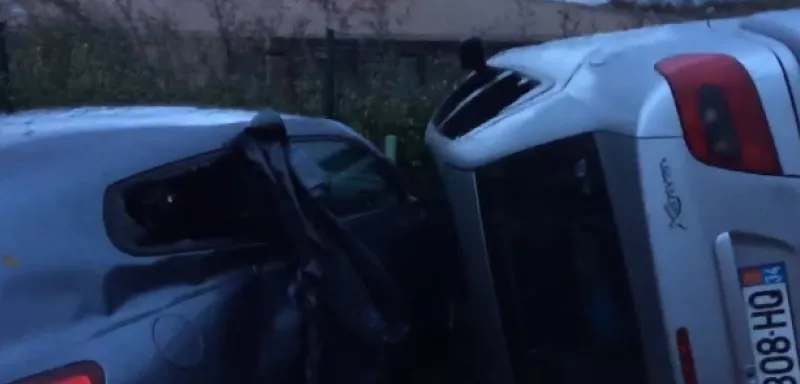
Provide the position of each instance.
(70, 120)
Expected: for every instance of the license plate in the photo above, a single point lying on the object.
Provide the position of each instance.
(769, 314)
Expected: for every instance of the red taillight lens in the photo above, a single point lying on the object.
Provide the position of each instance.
(685, 356)
(83, 372)
(74, 380)
(723, 121)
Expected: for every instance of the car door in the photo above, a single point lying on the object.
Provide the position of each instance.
(221, 204)
(193, 287)
(171, 297)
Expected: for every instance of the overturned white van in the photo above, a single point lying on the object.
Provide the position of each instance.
(626, 204)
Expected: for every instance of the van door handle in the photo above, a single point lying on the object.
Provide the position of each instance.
(736, 313)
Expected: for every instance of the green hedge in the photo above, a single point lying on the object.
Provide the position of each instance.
(71, 66)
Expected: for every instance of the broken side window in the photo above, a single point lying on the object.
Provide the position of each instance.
(211, 201)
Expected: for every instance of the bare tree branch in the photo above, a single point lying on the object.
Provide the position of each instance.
(568, 25)
(74, 10)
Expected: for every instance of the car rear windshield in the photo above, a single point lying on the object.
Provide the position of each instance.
(481, 97)
(557, 266)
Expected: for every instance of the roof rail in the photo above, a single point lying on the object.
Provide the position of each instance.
(471, 55)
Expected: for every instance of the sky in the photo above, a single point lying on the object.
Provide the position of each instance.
(651, 2)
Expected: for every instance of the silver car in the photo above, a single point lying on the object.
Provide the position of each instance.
(132, 238)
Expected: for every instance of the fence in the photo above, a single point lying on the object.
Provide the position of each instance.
(380, 87)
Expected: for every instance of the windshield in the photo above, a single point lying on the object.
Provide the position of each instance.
(557, 266)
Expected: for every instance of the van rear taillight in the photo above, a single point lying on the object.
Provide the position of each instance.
(686, 357)
(721, 115)
(83, 372)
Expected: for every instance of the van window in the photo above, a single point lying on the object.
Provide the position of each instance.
(558, 268)
(479, 99)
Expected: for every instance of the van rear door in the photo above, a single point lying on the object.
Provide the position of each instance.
(739, 121)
